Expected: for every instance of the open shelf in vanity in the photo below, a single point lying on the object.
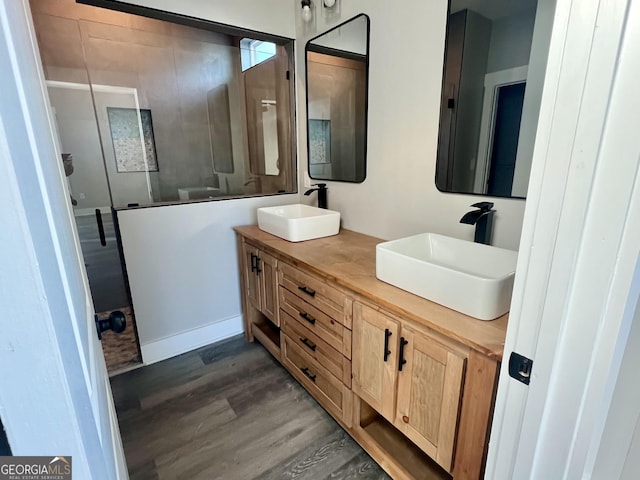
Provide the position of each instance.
(386, 441)
(267, 334)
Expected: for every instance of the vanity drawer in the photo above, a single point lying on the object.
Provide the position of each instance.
(318, 349)
(330, 392)
(321, 324)
(317, 292)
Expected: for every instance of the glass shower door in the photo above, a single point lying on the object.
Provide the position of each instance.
(82, 157)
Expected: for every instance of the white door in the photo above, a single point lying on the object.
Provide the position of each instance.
(578, 273)
(55, 397)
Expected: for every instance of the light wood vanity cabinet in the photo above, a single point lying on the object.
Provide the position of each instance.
(428, 394)
(409, 378)
(259, 280)
(411, 381)
(316, 337)
(260, 274)
(375, 358)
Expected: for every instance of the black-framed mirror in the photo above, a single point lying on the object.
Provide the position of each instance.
(488, 115)
(337, 72)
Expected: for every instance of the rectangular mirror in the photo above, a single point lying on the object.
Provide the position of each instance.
(337, 69)
(488, 114)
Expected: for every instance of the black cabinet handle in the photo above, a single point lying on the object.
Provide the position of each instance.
(308, 318)
(307, 290)
(103, 238)
(309, 375)
(253, 262)
(401, 360)
(387, 334)
(258, 269)
(308, 343)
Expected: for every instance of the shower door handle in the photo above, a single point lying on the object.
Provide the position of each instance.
(103, 238)
(117, 322)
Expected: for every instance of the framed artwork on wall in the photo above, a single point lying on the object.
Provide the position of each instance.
(132, 154)
(319, 141)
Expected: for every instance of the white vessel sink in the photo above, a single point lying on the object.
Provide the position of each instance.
(472, 278)
(298, 222)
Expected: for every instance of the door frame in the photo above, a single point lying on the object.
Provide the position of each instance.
(42, 356)
(492, 83)
(577, 273)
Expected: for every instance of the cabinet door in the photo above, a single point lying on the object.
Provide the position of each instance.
(374, 358)
(266, 267)
(429, 394)
(252, 280)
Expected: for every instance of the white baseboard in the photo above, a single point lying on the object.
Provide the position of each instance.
(168, 347)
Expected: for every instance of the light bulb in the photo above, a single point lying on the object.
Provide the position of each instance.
(329, 3)
(306, 13)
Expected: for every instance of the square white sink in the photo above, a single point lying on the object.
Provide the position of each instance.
(298, 222)
(472, 278)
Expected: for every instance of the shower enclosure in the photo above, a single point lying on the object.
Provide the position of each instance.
(152, 112)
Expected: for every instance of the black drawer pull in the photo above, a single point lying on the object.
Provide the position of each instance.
(309, 376)
(253, 262)
(307, 290)
(258, 269)
(308, 318)
(308, 343)
(401, 359)
(387, 334)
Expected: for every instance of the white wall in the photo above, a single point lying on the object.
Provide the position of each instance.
(399, 196)
(268, 16)
(348, 38)
(183, 271)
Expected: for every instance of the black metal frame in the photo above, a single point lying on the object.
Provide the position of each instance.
(340, 53)
(185, 20)
(444, 66)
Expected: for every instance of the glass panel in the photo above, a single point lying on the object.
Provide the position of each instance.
(190, 110)
(72, 102)
(178, 116)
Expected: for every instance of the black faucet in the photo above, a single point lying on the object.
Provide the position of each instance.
(322, 194)
(482, 219)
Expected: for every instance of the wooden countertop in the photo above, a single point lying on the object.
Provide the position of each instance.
(349, 259)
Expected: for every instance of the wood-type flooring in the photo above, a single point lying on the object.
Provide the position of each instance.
(230, 411)
(120, 350)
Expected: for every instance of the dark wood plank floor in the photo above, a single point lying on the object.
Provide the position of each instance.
(230, 411)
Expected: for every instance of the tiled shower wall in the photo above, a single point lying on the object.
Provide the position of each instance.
(171, 66)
